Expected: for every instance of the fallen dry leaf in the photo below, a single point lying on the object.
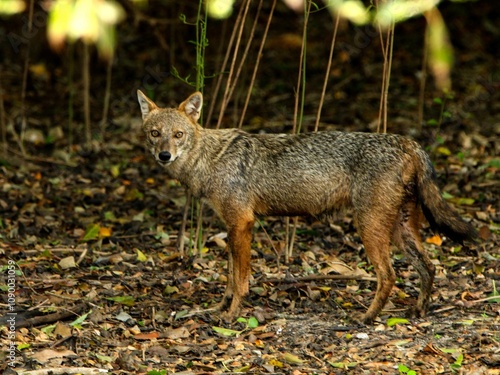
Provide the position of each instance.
(435, 240)
(47, 354)
(147, 336)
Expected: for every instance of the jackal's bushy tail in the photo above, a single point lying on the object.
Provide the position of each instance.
(437, 212)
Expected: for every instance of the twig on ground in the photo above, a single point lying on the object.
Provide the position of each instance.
(64, 370)
(319, 277)
(51, 318)
(63, 297)
(37, 159)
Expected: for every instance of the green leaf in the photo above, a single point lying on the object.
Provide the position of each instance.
(440, 57)
(446, 195)
(400, 10)
(402, 342)
(169, 289)
(162, 236)
(243, 369)
(156, 372)
(449, 350)
(106, 41)
(77, 323)
(92, 232)
(104, 358)
(124, 300)
(464, 201)
(292, 358)
(458, 362)
(11, 6)
(140, 256)
(115, 170)
(494, 294)
(494, 163)
(432, 122)
(226, 331)
(109, 216)
(443, 151)
(134, 194)
(253, 322)
(220, 9)
(181, 314)
(393, 321)
(354, 11)
(48, 329)
(23, 346)
(337, 364)
(403, 369)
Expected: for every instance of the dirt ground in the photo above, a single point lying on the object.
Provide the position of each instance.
(88, 235)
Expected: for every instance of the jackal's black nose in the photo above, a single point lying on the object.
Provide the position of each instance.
(164, 156)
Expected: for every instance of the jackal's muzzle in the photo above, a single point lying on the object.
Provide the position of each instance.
(165, 156)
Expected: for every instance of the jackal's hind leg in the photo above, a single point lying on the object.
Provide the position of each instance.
(407, 238)
(375, 228)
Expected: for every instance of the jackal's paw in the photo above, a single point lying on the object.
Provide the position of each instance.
(365, 319)
(228, 317)
(360, 319)
(221, 306)
(234, 311)
(416, 312)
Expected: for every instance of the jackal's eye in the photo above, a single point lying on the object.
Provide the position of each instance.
(179, 134)
(155, 133)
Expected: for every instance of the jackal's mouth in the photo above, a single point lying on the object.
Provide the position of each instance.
(163, 163)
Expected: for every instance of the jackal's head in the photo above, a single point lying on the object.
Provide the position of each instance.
(170, 131)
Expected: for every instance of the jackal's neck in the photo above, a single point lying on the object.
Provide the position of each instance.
(195, 167)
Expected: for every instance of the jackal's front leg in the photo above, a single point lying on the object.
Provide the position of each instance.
(240, 237)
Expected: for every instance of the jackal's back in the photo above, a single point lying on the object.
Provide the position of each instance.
(302, 174)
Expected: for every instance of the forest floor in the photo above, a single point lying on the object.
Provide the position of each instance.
(88, 245)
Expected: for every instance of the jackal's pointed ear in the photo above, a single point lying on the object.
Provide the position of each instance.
(147, 105)
(192, 106)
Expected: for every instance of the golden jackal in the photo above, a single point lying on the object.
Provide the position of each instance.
(386, 179)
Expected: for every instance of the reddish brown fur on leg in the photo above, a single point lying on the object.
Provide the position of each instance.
(419, 259)
(240, 237)
(375, 228)
(407, 238)
(378, 253)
